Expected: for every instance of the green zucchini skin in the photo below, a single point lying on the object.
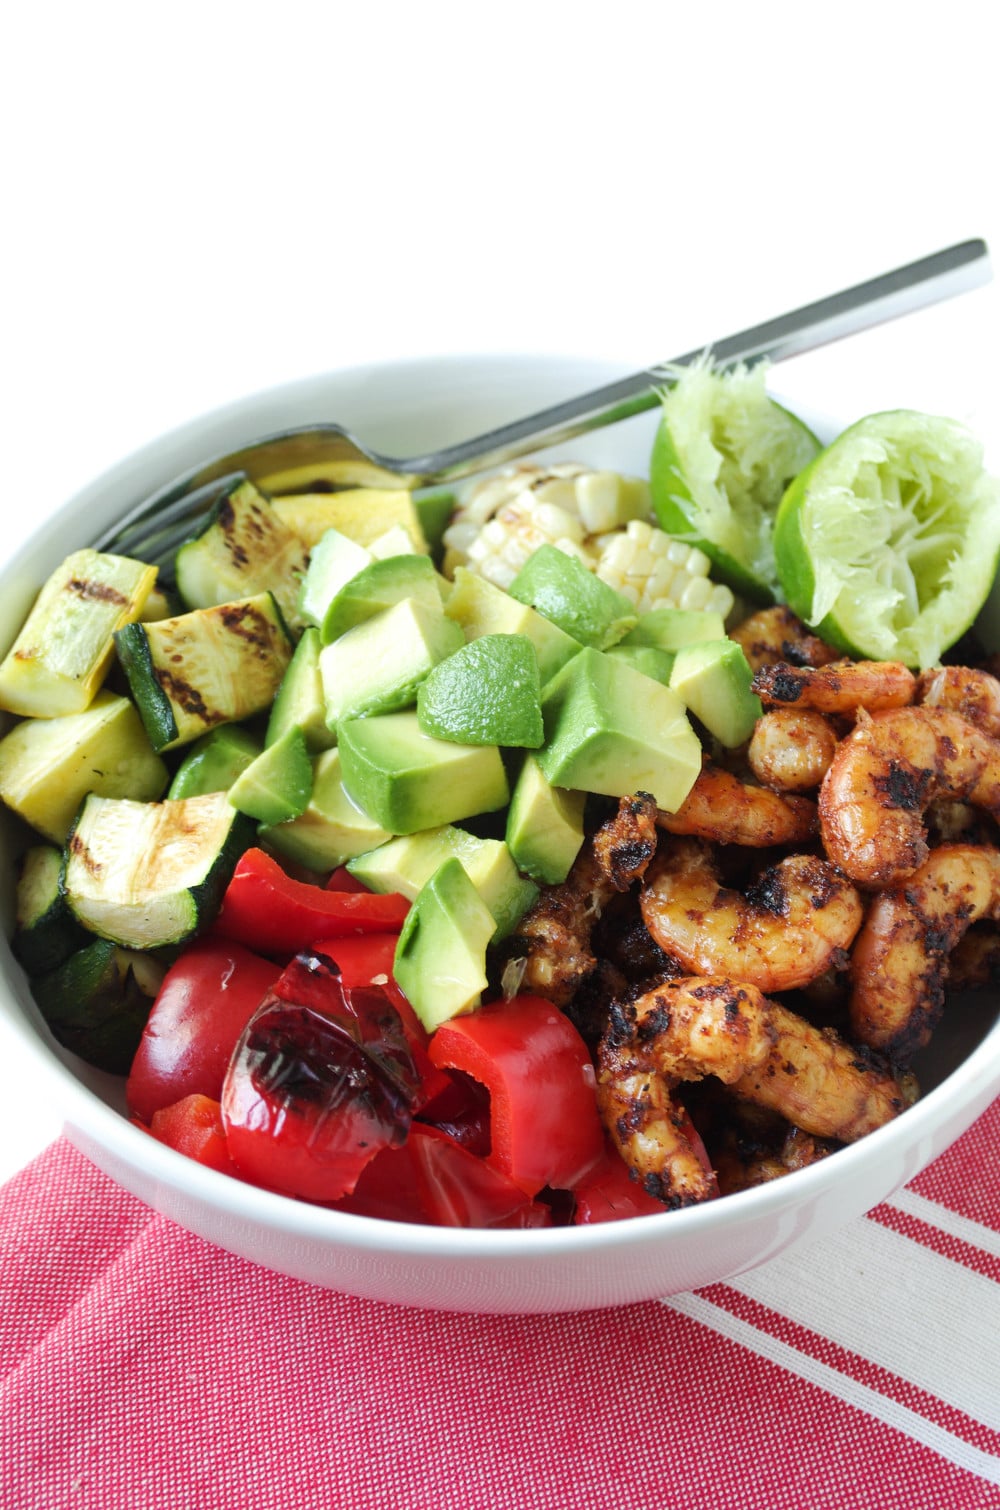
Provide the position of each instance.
(94, 1005)
(243, 547)
(170, 863)
(45, 931)
(155, 708)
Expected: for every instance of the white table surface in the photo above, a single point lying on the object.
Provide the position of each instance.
(203, 201)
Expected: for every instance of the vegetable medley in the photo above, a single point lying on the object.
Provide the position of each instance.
(559, 853)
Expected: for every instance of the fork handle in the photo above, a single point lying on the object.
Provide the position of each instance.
(927, 281)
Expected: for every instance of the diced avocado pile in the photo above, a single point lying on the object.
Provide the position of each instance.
(342, 695)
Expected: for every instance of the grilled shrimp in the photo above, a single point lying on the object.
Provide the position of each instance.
(740, 1166)
(973, 694)
(900, 961)
(722, 807)
(974, 964)
(795, 922)
(843, 687)
(885, 774)
(553, 937)
(791, 749)
(683, 1030)
(820, 1083)
(775, 634)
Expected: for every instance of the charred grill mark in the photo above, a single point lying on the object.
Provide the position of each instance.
(80, 851)
(778, 684)
(769, 893)
(903, 787)
(227, 524)
(247, 624)
(187, 698)
(96, 592)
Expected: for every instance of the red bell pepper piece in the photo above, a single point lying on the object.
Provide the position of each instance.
(194, 1128)
(206, 1000)
(267, 910)
(543, 1112)
(342, 880)
(432, 1179)
(610, 1192)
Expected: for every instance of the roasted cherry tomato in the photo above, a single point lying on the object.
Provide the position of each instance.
(206, 1000)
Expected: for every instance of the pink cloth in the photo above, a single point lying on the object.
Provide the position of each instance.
(143, 1369)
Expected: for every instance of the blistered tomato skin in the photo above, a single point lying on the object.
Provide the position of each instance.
(306, 1105)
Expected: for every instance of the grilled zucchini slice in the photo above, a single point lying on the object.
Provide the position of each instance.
(62, 653)
(243, 548)
(45, 931)
(144, 874)
(362, 514)
(97, 1002)
(211, 666)
(48, 765)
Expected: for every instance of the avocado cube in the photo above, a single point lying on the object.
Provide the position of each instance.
(645, 658)
(671, 628)
(378, 586)
(334, 560)
(440, 961)
(300, 697)
(275, 787)
(332, 828)
(403, 865)
(480, 607)
(214, 762)
(377, 666)
(486, 693)
(715, 681)
(544, 826)
(405, 780)
(611, 730)
(562, 589)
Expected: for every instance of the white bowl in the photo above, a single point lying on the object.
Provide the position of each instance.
(414, 406)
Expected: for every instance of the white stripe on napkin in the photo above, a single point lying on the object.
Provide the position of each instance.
(813, 1371)
(898, 1304)
(936, 1215)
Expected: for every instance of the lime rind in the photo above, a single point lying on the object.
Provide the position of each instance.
(888, 542)
(723, 456)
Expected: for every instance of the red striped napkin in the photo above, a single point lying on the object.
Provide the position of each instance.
(143, 1369)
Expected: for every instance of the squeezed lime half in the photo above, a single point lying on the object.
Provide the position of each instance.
(887, 543)
(723, 455)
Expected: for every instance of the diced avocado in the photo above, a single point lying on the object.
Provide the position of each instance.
(96, 1003)
(385, 582)
(332, 828)
(544, 826)
(434, 509)
(645, 658)
(362, 514)
(144, 874)
(211, 666)
(377, 666)
(714, 680)
(214, 761)
(486, 693)
(670, 628)
(47, 766)
(59, 659)
(609, 729)
(335, 559)
(440, 962)
(480, 607)
(403, 865)
(241, 548)
(45, 931)
(276, 786)
(405, 780)
(563, 590)
(300, 697)
(395, 542)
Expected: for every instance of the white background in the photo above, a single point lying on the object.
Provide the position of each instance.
(202, 200)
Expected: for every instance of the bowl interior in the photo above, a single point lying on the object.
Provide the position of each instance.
(412, 407)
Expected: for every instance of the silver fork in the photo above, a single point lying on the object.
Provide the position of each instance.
(156, 526)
